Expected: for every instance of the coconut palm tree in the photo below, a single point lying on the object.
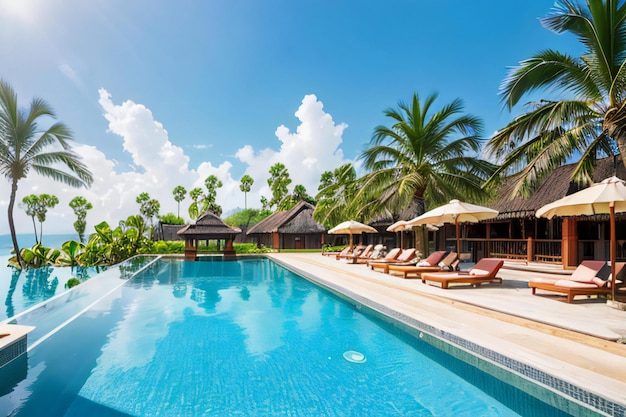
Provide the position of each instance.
(426, 155)
(25, 147)
(335, 194)
(588, 116)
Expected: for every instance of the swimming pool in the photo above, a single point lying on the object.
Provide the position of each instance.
(243, 338)
(24, 289)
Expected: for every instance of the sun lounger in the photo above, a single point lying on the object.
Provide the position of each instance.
(432, 259)
(358, 251)
(485, 270)
(406, 257)
(429, 264)
(344, 251)
(589, 278)
(391, 256)
(374, 255)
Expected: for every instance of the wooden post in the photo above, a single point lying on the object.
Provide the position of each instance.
(530, 250)
(191, 251)
(569, 243)
(613, 249)
(229, 250)
(487, 242)
(276, 240)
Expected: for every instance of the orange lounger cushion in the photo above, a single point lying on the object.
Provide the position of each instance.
(589, 278)
(485, 270)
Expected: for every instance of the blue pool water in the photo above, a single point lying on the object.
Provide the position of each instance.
(21, 290)
(245, 338)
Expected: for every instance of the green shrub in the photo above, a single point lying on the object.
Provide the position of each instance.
(250, 248)
(72, 282)
(171, 218)
(162, 247)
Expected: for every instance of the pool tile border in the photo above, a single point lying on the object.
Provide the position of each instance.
(13, 350)
(591, 400)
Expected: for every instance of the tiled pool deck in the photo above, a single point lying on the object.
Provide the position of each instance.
(569, 347)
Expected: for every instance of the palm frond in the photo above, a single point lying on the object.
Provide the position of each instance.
(59, 175)
(549, 69)
(545, 118)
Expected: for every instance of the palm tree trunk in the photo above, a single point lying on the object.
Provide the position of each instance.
(621, 144)
(16, 247)
(421, 234)
(34, 228)
(615, 127)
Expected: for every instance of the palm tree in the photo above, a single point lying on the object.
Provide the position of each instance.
(589, 119)
(424, 155)
(335, 194)
(278, 182)
(245, 187)
(179, 195)
(23, 146)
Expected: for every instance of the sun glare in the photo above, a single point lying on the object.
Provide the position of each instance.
(25, 11)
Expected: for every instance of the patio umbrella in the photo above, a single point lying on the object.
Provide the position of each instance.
(399, 226)
(455, 212)
(608, 196)
(351, 227)
(403, 226)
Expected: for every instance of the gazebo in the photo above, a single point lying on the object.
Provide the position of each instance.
(208, 227)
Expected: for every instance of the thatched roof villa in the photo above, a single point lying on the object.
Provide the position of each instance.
(290, 229)
(517, 233)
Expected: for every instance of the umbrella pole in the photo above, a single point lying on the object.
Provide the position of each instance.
(458, 240)
(350, 241)
(613, 249)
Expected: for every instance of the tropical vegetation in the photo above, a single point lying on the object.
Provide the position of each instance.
(583, 113)
(179, 193)
(80, 205)
(245, 187)
(427, 156)
(336, 193)
(25, 147)
(427, 153)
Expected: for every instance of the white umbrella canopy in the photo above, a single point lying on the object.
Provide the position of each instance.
(399, 226)
(403, 226)
(455, 212)
(595, 199)
(606, 197)
(350, 227)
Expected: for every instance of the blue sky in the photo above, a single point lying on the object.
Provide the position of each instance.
(162, 93)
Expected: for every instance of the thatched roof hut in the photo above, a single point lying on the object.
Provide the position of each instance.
(209, 226)
(557, 185)
(293, 228)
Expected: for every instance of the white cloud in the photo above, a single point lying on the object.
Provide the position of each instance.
(312, 149)
(160, 165)
(69, 72)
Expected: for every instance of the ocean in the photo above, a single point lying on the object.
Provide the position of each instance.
(28, 240)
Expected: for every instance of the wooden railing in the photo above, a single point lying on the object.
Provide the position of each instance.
(531, 250)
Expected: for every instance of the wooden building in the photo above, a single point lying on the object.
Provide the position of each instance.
(518, 234)
(290, 229)
(208, 227)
